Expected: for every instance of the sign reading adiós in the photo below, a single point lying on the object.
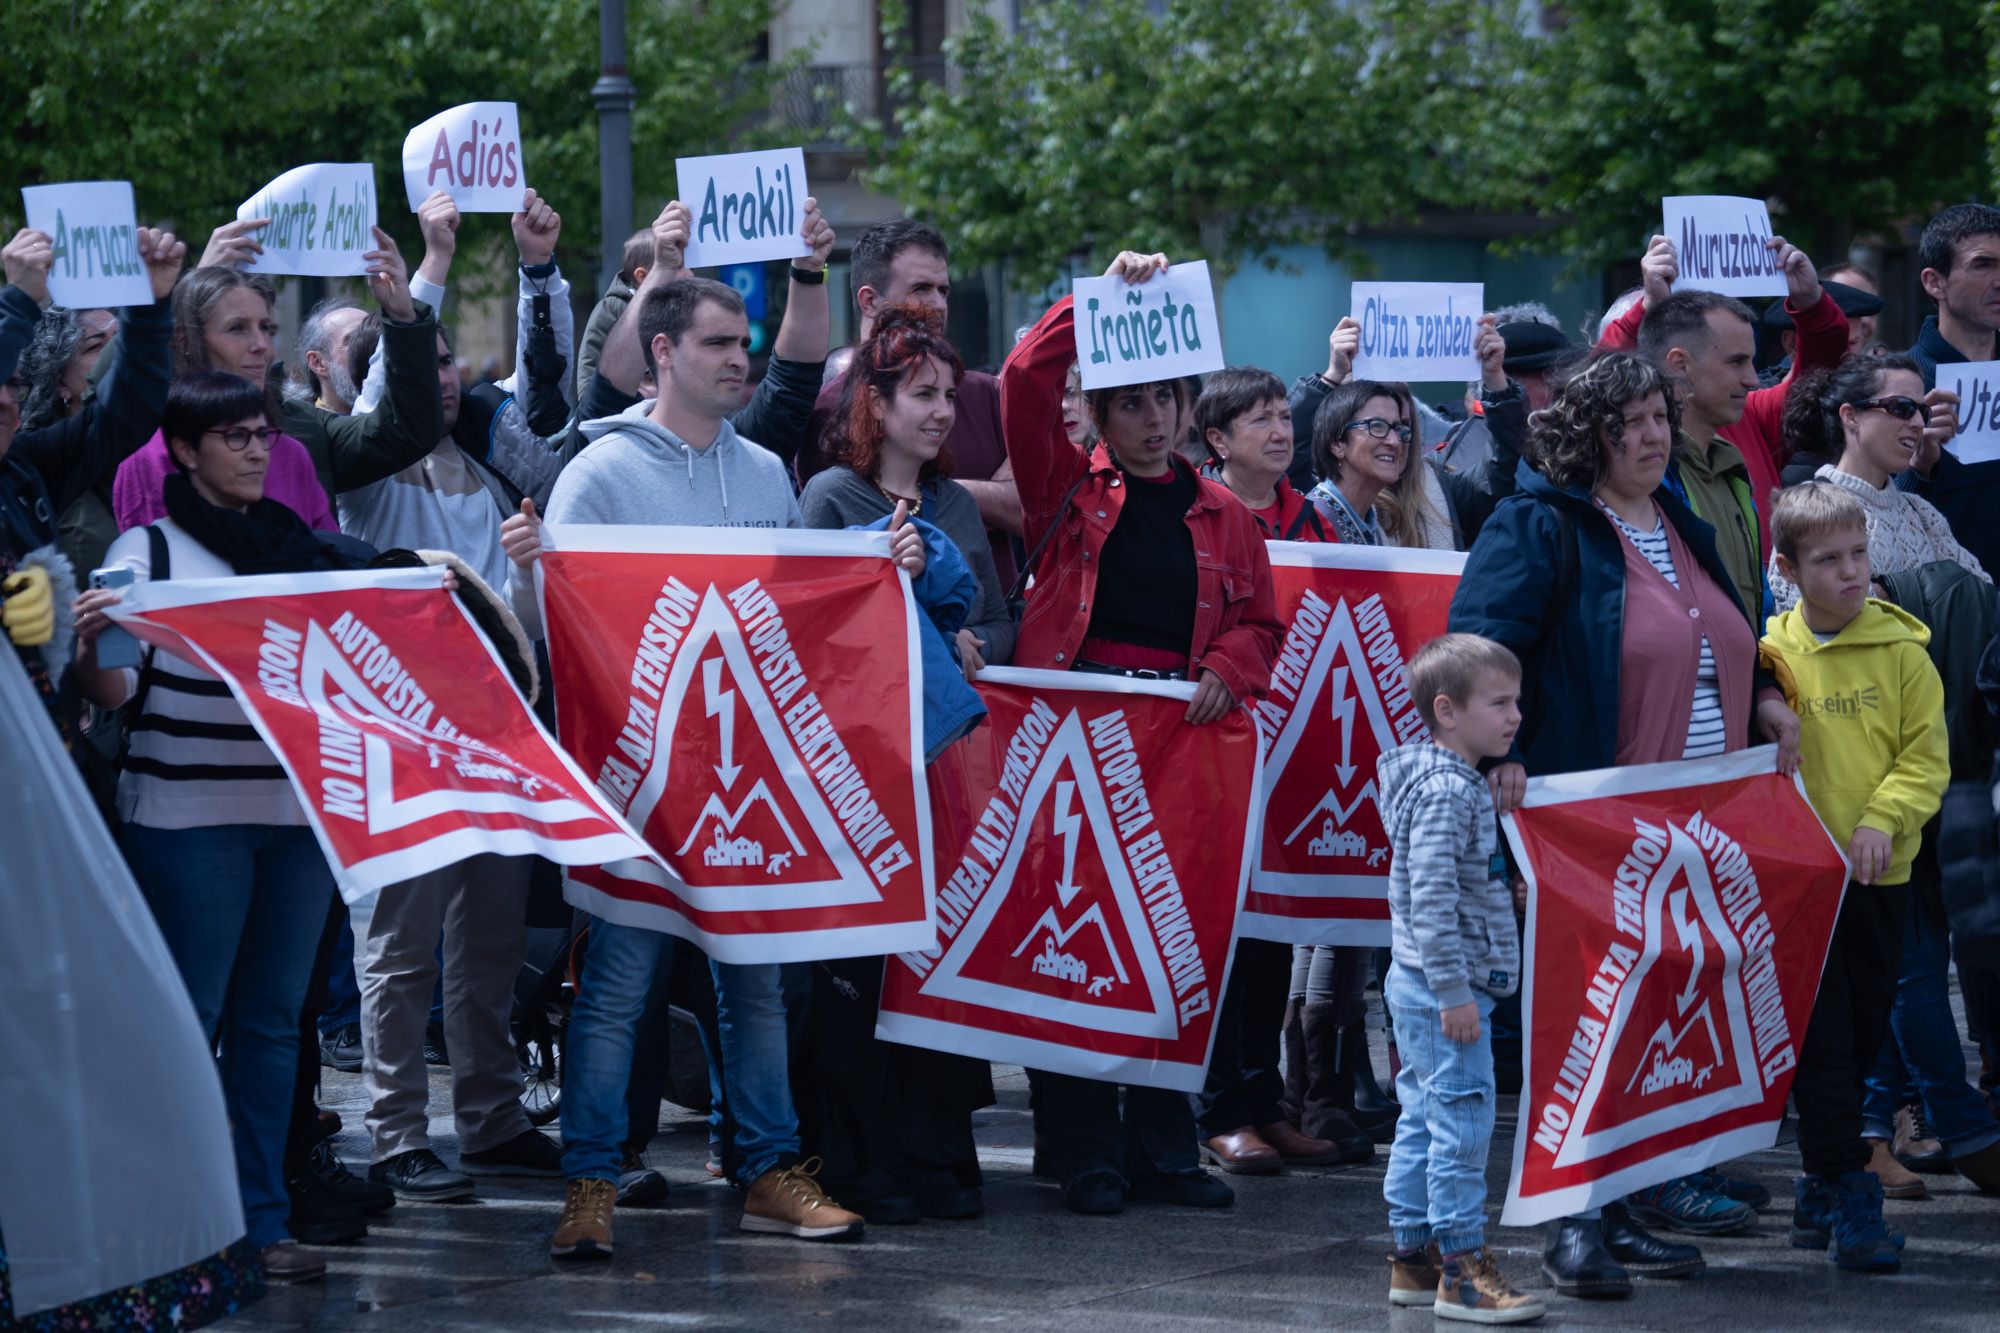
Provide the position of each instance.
(1089, 888)
(749, 701)
(402, 732)
(322, 220)
(1136, 333)
(746, 206)
(1719, 244)
(1339, 700)
(94, 231)
(1678, 920)
(472, 153)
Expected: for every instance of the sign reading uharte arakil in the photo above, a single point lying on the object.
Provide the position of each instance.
(1137, 333)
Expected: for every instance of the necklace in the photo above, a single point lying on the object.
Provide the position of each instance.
(916, 503)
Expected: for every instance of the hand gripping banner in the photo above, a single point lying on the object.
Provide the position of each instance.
(407, 742)
(1354, 616)
(1094, 848)
(749, 700)
(1678, 920)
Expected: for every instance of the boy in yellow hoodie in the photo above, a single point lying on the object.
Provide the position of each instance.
(1874, 761)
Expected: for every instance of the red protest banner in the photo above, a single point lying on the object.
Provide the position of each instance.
(401, 730)
(1094, 848)
(1354, 616)
(748, 699)
(1678, 919)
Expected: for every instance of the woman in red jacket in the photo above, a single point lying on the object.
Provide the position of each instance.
(1141, 568)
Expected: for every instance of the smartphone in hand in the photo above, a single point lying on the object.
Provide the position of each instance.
(115, 646)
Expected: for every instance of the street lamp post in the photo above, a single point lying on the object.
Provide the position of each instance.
(614, 97)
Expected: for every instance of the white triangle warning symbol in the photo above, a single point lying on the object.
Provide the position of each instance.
(1061, 934)
(330, 683)
(1684, 1050)
(717, 794)
(1335, 829)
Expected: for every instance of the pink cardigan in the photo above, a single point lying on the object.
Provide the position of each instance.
(1664, 627)
(137, 495)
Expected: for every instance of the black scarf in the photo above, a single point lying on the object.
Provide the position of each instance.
(267, 538)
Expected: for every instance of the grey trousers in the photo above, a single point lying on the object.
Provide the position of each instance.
(480, 907)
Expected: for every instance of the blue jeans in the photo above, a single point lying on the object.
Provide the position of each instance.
(1923, 1049)
(618, 971)
(241, 907)
(1436, 1183)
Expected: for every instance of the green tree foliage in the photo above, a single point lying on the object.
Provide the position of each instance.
(1215, 128)
(1849, 116)
(200, 103)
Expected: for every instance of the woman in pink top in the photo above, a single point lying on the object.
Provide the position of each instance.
(223, 320)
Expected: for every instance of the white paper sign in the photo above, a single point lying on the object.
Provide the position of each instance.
(1417, 331)
(747, 206)
(1160, 329)
(472, 153)
(1977, 385)
(1719, 244)
(95, 230)
(322, 220)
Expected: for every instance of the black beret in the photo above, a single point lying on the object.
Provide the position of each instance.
(1853, 302)
(1532, 346)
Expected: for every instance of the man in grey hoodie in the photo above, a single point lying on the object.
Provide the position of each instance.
(676, 459)
(1451, 924)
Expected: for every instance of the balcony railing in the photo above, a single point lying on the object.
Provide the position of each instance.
(810, 105)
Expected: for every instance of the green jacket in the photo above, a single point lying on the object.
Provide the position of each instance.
(353, 451)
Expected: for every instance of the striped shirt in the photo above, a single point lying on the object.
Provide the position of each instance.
(1706, 734)
(195, 760)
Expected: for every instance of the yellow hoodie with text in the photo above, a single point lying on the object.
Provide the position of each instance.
(1873, 750)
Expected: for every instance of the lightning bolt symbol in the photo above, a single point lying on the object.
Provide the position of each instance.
(1343, 713)
(1068, 823)
(1691, 941)
(722, 704)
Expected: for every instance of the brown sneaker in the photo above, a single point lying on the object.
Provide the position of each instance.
(1470, 1288)
(1415, 1281)
(584, 1233)
(787, 1201)
(1898, 1181)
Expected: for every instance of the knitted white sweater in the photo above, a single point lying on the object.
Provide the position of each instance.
(1904, 531)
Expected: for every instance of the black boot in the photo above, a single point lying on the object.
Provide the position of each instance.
(1362, 1097)
(1577, 1264)
(1643, 1253)
(1328, 1096)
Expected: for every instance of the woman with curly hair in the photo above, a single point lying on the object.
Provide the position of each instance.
(1635, 650)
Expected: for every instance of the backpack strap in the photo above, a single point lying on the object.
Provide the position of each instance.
(1042, 542)
(1308, 513)
(159, 569)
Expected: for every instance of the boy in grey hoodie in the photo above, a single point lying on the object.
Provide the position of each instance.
(1452, 935)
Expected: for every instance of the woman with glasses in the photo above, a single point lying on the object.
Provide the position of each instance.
(1868, 417)
(1142, 568)
(1366, 447)
(217, 839)
(1635, 649)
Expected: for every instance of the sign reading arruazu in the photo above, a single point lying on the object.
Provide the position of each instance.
(1090, 889)
(748, 701)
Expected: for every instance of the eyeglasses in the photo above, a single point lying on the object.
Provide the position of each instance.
(238, 437)
(1900, 406)
(1379, 428)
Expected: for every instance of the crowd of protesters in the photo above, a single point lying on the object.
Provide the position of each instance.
(1666, 547)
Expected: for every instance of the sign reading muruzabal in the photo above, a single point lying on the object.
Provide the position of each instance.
(1720, 243)
(747, 207)
(322, 220)
(94, 233)
(1417, 330)
(472, 153)
(1136, 333)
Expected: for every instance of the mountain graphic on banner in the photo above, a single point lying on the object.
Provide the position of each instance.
(727, 794)
(1061, 933)
(1339, 728)
(1678, 1046)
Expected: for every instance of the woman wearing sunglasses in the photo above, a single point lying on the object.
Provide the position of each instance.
(1365, 447)
(1868, 417)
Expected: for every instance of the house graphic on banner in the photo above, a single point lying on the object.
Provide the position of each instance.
(727, 795)
(1061, 933)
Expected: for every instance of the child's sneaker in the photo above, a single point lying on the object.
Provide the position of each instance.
(1414, 1281)
(1471, 1288)
(1862, 1243)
